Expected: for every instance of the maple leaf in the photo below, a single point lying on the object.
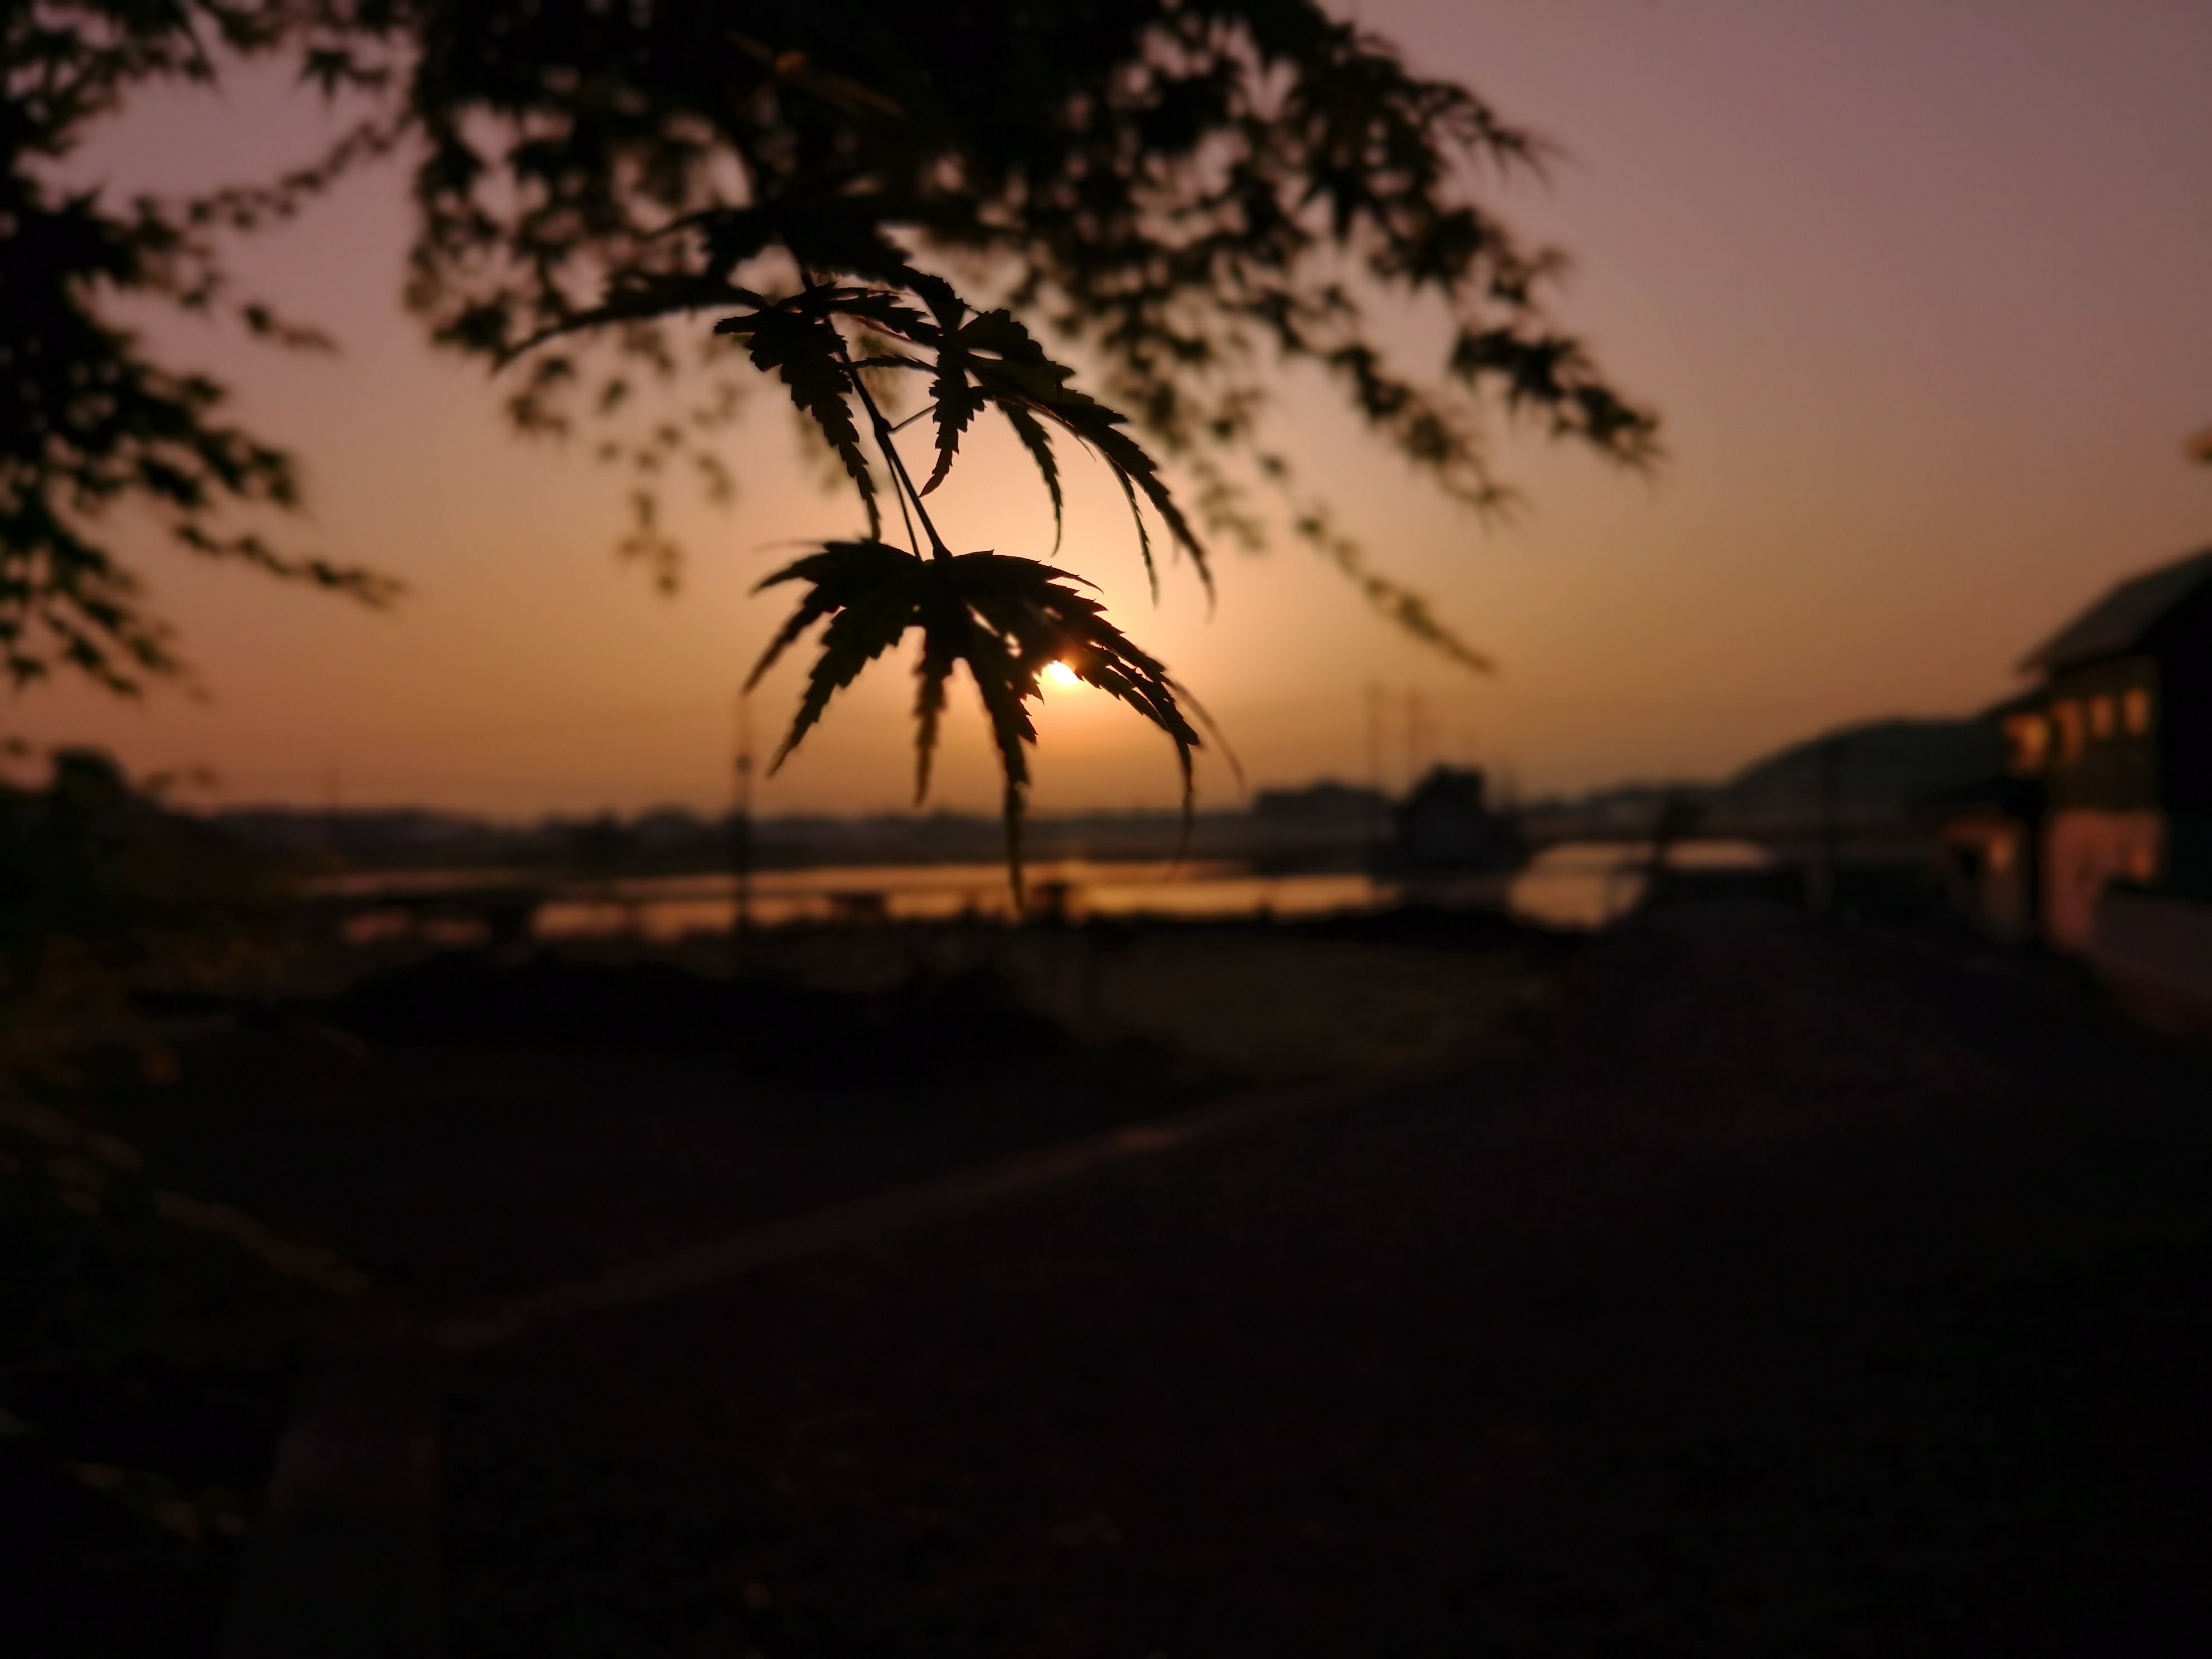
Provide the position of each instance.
(1004, 617)
(1011, 369)
(799, 340)
(957, 401)
(990, 360)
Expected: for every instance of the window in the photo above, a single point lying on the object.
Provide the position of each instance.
(2135, 712)
(2030, 735)
(2067, 715)
(2102, 717)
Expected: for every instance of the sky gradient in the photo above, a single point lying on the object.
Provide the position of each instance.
(1924, 292)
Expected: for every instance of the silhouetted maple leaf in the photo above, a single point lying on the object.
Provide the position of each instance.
(1004, 617)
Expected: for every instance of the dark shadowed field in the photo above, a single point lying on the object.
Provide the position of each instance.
(1771, 1288)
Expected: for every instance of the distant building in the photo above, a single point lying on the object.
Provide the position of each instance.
(1988, 850)
(2119, 735)
(1446, 824)
(1322, 825)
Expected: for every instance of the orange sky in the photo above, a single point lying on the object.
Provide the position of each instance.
(1923, 291)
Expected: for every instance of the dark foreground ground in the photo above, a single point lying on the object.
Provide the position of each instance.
(1778, 1289)
(1787, 1291)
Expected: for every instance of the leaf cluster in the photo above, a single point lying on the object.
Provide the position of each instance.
(1192, 191)
(89, 422)
(104, 890)
(1195, 190)
(1185, 189)
(1004, 618)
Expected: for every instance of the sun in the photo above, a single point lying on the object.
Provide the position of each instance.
(1060, 674)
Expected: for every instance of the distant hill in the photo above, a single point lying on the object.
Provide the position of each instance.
(1871, 777)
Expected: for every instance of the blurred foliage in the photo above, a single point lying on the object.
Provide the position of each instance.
(106, 894)
(145, 1343)
(90, 422)
(145, 1332)
(109, 902)
(1195, 191)
(1191, 193)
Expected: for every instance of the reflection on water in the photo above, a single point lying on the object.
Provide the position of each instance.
(1592, 884)
(1578, 884)
(670, 907)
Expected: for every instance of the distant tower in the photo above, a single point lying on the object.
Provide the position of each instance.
(1377, 819)
(1375, 717)
(741, 823)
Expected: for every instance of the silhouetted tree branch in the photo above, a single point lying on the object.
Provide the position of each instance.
(1190, 193)
(90, 423)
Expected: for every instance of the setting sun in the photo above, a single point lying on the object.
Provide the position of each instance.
(1059, 673)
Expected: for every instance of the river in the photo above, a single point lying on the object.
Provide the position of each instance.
(1578, 885)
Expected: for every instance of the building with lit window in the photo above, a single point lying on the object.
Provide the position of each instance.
(1989, 832)
(2118, 734)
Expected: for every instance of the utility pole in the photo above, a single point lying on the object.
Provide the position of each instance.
(1374, 737)
(1376, 817)
(741, 824)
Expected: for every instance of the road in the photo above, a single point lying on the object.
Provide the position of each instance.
(1779, 1289)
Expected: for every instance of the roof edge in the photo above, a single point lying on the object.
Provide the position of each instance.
(2117, 621)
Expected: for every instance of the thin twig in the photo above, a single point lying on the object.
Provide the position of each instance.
(899, 474)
